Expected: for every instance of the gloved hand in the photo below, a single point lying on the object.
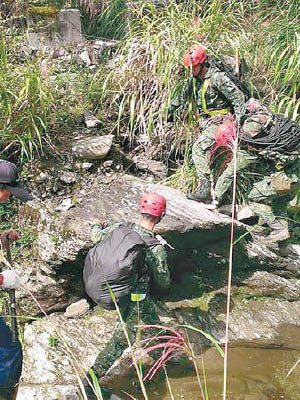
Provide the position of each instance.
(11, 234)
(10, 279)
(103, 224)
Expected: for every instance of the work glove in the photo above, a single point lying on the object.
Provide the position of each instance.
(11, 234)
(103, 224)
(10, 279)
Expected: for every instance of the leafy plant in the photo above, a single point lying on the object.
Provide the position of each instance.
(53, 341)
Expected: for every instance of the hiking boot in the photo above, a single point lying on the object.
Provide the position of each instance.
(202, 193)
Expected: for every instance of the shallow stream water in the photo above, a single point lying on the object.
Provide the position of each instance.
(253, 374)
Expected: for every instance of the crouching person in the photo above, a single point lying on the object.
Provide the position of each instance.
(126, 257)
(10, 347)
(10, 350)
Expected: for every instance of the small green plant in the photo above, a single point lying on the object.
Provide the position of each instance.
(53, 341)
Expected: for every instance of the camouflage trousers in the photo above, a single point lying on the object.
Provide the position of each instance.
(274, 184)
(132, 315)
(201, 155)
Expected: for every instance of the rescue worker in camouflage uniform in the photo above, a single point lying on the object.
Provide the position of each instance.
(216, 94)
(220, 131)
(152, 210)
(271, 151)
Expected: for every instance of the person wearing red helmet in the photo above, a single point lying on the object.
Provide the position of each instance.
(154, 267)
(217, 93)
(213, 85)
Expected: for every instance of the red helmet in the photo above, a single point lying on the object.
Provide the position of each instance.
(194, 55)
(225, 133)
(153, 204)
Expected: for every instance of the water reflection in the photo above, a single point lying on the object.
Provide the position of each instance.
(253, 374)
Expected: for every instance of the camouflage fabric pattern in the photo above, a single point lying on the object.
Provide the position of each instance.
(134, 314)
(271, 186)
(283, 170)
(225, 180)
(221, 93)
(201, 155)
(155, 267)
(256, 119)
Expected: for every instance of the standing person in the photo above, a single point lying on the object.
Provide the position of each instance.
(10, 352)
(218, 94)
(130, 288)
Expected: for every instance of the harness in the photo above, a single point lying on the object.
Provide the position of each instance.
(203, 102)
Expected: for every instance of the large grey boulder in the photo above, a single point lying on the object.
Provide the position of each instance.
(58, 349)
(200, 239)
(54, 29)
(62, 237)
(264, 309)
(264, 322)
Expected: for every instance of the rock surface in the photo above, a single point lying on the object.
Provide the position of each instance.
(67, 29)
(93, 147)
(59, 348)
(265, 295)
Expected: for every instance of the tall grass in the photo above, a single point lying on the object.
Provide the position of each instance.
(146, 73)
(25, 104)
(132, 92)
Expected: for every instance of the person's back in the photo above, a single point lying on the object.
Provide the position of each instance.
(123, 254)
(138, 305)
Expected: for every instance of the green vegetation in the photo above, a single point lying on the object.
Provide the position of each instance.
(43, 11)
(131, 94)
(53, 341)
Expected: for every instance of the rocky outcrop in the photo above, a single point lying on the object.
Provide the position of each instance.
(58, 349)
(265, 295)
(61, 237)
(265, 322)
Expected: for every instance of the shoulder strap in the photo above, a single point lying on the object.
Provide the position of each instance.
(227, 70)
(151, 242)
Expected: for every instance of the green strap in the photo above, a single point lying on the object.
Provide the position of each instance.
(203, 102)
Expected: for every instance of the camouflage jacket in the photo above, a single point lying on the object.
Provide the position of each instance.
(220, 94)
(156, 265)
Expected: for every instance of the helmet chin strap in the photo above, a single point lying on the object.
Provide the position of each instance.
(162, 215)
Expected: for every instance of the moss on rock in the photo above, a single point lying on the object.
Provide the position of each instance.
(43, 11)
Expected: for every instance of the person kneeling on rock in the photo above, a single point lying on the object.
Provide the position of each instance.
(118, 271)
